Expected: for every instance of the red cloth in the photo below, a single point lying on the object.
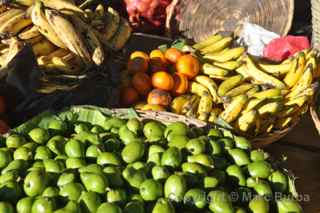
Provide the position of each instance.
(282, 48)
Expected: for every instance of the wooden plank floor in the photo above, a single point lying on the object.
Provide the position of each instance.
(302, 147)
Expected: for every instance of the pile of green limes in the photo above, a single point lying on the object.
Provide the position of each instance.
(134, 167)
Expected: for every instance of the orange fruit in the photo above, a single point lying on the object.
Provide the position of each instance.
(157, 54)
(129, 96)
(156, 64)
(159, 97)
(142, 83)
(139, 54)
(172, 55)
(2, 104)
(188, 65)
(137, 64)
(162, 80)
(4, 128)
(181, 84)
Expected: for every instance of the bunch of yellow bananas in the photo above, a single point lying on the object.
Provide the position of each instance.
(254, 96)
(63, 35)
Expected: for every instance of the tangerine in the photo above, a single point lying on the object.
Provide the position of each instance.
(172, 55)
(159, 97)
(156, 64)
(188, 65)
(142, 83)
(158, 54)
(181, 84)
(129, 96)
(139, 54)
(162, 80)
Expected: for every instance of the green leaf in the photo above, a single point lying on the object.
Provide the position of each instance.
(132, 113)
(90, 115)
(179, 44)
(33, 123)
(163, 48)
(292, 186)
(222, 123)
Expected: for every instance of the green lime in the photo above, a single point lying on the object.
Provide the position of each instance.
(58, 125)
(93, 151)
(75, 163)
(179, 141)
(195, 198)
(114, 176)
(43, 153)
(175, 187)
(15, 141)
(94, 182)
(126, 135)
(239, 156)
(193, 168)
(22, 153)
(53, 166)
(259, 205)
(151, 190)
(153, 131)
(39, 135)
(220, 202)
(90, 201)
(91, 168)
(160, 173)
(132, 152)
(202, 159)
(74, 149)
(24, 205)
(6, 207)
(163, 206)
(109, 207)
(196, 146)
(287, 205)
(134, 125)
(118, 196)
(279, 181)
(176, 128)
(5, 157)
(56, 145)
(172, 157)
(259, 169)
(66, 178)
(35, 182)
(72, 191)
(43, 205)
(108, 158)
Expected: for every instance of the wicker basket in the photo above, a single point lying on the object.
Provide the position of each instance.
(168, 117)
(196, 19)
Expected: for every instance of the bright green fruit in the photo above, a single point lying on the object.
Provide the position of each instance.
(151, 190)
(56, 145)
(14, 141)
(172, 157)
(72, 191)
(70, 207)
(58, 125)
(6, 207)
(24, 205)
(132, 152)
(163, 206)
(134, 125)
(109, 207)
(42, 153)
(39, 135)
(75, 163)
(196, 146)
(202, 159)
(22, 153)
(34, 183)
(8, 176)
(134, 207)
(176, 128)
(153, 131)
(260, 169)
(93, 151)
(195, 198)
(51, 191)
(94, 182)
(108, 158)
(175, 187)
(19, 166)
(53, 166)
(43, 205)
(286, 205)
(239, 156)
(235, 172)
(90, 201)
(279, 181)
(81, 127)
(220, 202)
(114, 176)
(118, 196)
(259, 205)
(134, 177)
(10, 191)
(126, 135)
(74, 149)
(179, 141)
(66, 178)
(91, 168)
(5, 157)
(160, 173)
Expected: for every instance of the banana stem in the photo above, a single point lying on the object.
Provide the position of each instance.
(86, 4)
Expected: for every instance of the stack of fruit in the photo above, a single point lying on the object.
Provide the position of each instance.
(111, 165)
(157, 77)
(64, 36)
(255, 96)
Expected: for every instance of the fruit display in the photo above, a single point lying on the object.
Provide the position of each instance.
(85, 160)
(65, 37)
(215, 80)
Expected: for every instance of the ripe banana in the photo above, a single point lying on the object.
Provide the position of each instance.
(198, 89)
(242, 89)
(243, 70)
(296, 72)
(210, 69)
(214, 114)
(69, 66)
(210, 85)
(254, 104)
(225, 56)
(276, 69)
(205, 106)
(270, 108)
(29, 33)
(229, 65)
(229, 84)
(233, 110)
(207, 42)
(268, 94)
(190, 108)
(121, 37)
(9, 14)
(43, 47)
(255, 89)
(217, 46)
(300, 101)
(93, 44)
(247, 120)
(16, 24)
(27, 3)
(68, 34)
(178, 103)
(260, 76)
(39, 19)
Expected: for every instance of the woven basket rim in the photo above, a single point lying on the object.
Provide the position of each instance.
(168, 117)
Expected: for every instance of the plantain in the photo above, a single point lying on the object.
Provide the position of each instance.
(296, 71)
(63, 6)
(260, 76)
(122, 35)
(217, 46)
(210, 69)
(89, 14)
(299, 101)
(29, 33)
(93, 44)
(68, 64)
(255, 89)
(229, 84)
(43, 47)
(27, 3)
(241, 89)
(9, 14)
(243, 70)
(34, 40)
(100, 11)
(178, 103)
(225, 56)
(247, 120)
(208, 41)
(68, 34)
(16, 24)
(214, 114)
(191, 105)
(254, 104)
(270, 108)
(210, 85)
(198, 89)
(112, 24)
(39, 19)
(228, 65)
(205, 106)
(269, 93)
(233, 110)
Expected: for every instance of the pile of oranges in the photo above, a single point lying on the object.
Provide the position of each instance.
(152, 80)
